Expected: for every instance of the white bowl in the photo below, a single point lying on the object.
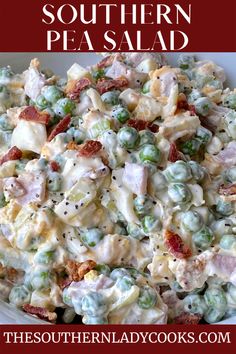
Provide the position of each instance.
(60, 62)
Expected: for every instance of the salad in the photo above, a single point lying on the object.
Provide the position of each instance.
(118, 190)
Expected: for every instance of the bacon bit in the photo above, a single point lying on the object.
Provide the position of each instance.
(60, 127)
(176, 246)
(40, 312)
(77, 270)
(104, 85)
(90, 148)
(10, 273)
(32, 114)
(188, 318)
(108, 60)
(182, 103)
(74, 91)
(227, 190)
(153, 127)
(64, 282)
(192, 110)
(13, 154)
(54, 166)
(73, 146)
(174, 154)
(140, 124)
(207, 124)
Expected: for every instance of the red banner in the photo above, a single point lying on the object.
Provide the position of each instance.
(89, 25)
(117, 339)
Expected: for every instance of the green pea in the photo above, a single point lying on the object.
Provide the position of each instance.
(35, 243)
(193, 96)
(41, 279)
(222, 227)
(216, 84)
(224, 208)
(76, 122)
(202, 80)
(204, 135)
(125, 283)
(227, 241)
(142, 204)
(203, 105)
(230, 101)
(92, 237)
(5, 138)
(50, 111)
(77, 304)
(186, 61)
(19, 295)
(111, 98)
(192, 221)
(66, 297)
(65, 137)
(159, 181)
(76, 135)
(150, 153)
(6, 72)
(41, 102)
(54, 181)
(93, 304)
(191, 147)
(150, 224)
(215, 297)
(98, 74)
(198, 172)
(121, 114)
(5, 96)
(44, 257)
(195, 304)
(213, 315)
(178, 172)
(176, 287)
(119, 273)
(52, 93)
(146, 87)
(63, 107)
(203, 238)
(147, 297)
(128, 137)
(136, 273)
(135, 231)
(3, 202)
(179, 193)
(42, 164)
(95, 320)
(231, 175)
(146, 137)
(103, 269)
(68, 315)
(5, 123)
